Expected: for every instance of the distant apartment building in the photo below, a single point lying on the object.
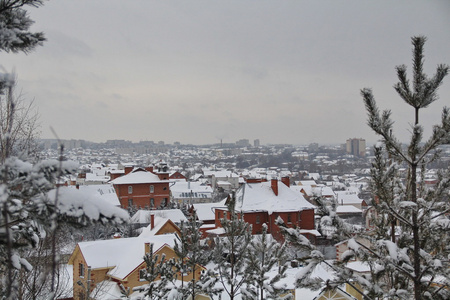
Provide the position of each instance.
(356, 147)
(243, 143)
(256, 143)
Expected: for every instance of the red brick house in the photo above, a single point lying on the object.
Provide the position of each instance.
(142, 189)
(177, 176)
(263, 202)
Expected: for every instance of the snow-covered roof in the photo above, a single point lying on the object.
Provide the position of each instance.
(106, 290)
(345, 197)
(217, 231)
(327, 191)
(183, 186)
(205, 211)
(358, 266)
(143, 216)
(158, 224)
(220, 174)
(307, 189)
(96, 177)
(307, 182)
(341, 209)
(260, 197)
(223, 183)
(137, 177)
(127, 255)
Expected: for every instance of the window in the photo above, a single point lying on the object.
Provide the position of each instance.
(152, 202)
(81, 269)
(224, 214)
(130, 202)
(289, 219)
(130, 189)
(258, 219)
(164, 188)
(152, 189)
(164, 202)
(142, 273)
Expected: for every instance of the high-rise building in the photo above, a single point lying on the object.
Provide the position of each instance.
(256, 143)
(243, 143)
(356, 147)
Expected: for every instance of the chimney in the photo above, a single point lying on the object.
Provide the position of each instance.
(152, 221)
(149, 169)
(128, 169)
(274, 185)
(285, 180)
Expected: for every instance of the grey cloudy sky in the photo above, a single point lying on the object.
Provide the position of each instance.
(198, 71)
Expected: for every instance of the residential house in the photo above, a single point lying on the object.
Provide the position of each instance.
(183, 192)
(225, 180)
(116, 262)
(262, 203)
(177, 176)
(142, 189)
(350, 198)
(205, 214)
(142, 217)
(159, 225)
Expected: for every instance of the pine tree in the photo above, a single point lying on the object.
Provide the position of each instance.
(192, 254)
(159, 274)
(15, 25)
(265, 254)
(408, 255)
(418, 259)
(230, 251)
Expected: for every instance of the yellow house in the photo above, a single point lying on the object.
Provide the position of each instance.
(159, 225)
(116, 263)
(335, 294)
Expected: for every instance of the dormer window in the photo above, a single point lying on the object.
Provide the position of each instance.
(152, 189)
(130, 189)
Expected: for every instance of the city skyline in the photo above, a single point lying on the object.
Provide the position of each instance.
(201, 72)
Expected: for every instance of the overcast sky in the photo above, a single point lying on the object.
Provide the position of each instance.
(200, 71)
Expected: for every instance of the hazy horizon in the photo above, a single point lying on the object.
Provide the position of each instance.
(196, 72)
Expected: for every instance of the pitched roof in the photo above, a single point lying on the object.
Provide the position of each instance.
(143, 216)
(346, 197)
(137, 177)
(205, 211)
(260, 197)
(122, 255)
(341, 209)
(158, 224)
